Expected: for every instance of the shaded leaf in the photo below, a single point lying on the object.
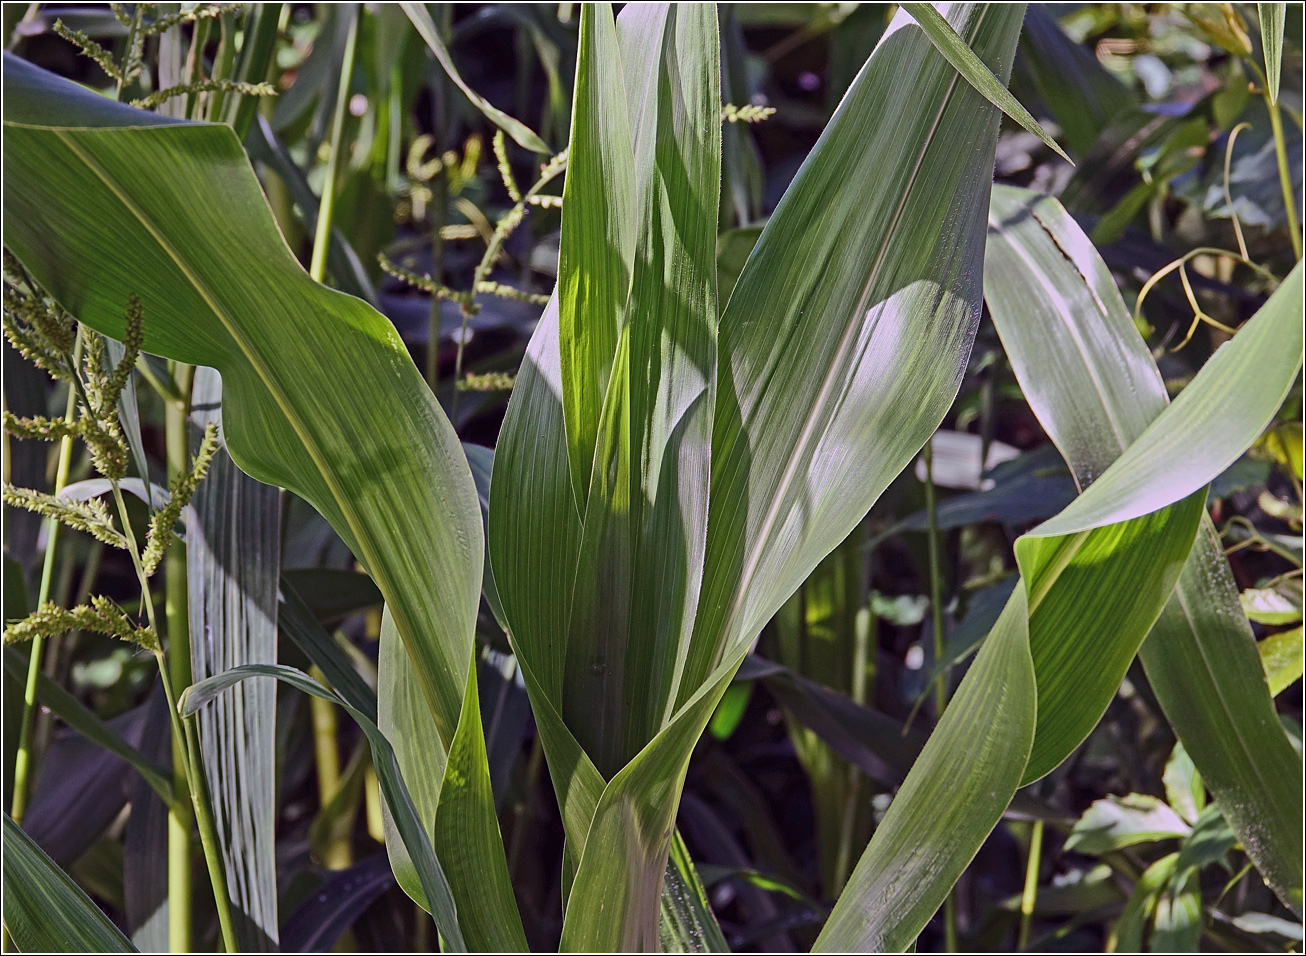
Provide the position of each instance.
(45, 911)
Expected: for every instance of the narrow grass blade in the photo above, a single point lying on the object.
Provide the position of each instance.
(1082, 95)
(83, 720)
(1093, 384)
(194, 238)
(45, 911)
(955, 50)
(393, 788)
(233, 558)
(296, 621)
(1271, 16)
(521, 133)
(964, 779)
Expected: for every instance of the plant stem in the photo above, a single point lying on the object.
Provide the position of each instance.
(326, 752)
(326, 207)
(185, 731)
(439, 196)
(936, 598)
(1030, 894)
(439, 207)
(1285, 178)
(936, 619)
(176, 611)
(23, 762)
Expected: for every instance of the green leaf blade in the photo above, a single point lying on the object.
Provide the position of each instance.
(45, 911)
(1093, 385)
(979, 76)
(220, 288)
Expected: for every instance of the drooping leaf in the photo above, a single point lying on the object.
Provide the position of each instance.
(1127, 535)
(1092, 383)
(1116, 822)
(233, 558)
(220, 288)
(45, 911)
(520, 133)
(397, 797)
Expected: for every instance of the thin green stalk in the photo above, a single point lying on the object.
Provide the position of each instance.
(23, 763)
(130, 44)
(439, 211)
(936, 598)
(1030, 894)
(936, 616)
(176, 611)
(326, 207)
(439, 198)
(185, 731)
(326, 752)
(1285, 178)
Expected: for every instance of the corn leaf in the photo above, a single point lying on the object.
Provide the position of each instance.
(220, 288)
(955, 50)
(45, 911)
(193, 236)
(397, 796)
(233, 558)
(594, 256)
(641, 555)
(452, 794)
(1050, 666)
(1092, 383)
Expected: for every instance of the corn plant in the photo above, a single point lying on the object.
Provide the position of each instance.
(677, 458)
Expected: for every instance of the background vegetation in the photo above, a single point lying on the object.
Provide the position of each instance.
(451, 229)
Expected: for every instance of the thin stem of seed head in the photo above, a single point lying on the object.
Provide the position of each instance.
(1228, 197)
(24, 760)
(326, 206)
